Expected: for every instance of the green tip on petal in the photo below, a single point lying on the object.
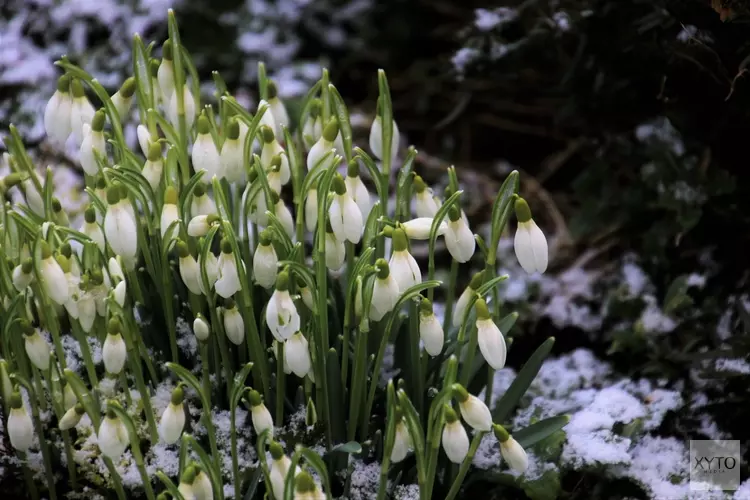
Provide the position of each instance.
(331, 130)
(477, 280)
(482, 311)
(252, 176)
(128, 88)
(523, 212)
(204, 126)
(154, 152)
(266, 133)
(450, 414)
(46, 250)
(254, 398)
(276, 163)
(265, 238)
(182, 249)
(399, 240)
(80, 410)
(64, 263)
(233, 129)
(170, 195)
(276, 450)
(101, 183)
(425, 306)
(167, 52)
(352, 169)
(114, 327)
(111, 413)
(56, 205)
(338, 185)
(26, 327)
(454, 213)
(63, 84)
(304, 482)
(90, 214)
(226, 246)
(383, 269)
(66, 249)
(15, 400)
(460, 393)
(282, 281)
(419, 184)
(188, 477)
(153, 67)
(123, 191)
(77, 88)
(229, 304)
(113, 195)
(97, 123)
(273, 91)
(501, 434)
(27, 265)
(178, 396)
(199, 190)
(10, 180)
(315, 107)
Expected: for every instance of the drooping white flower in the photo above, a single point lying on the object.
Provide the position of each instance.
(112, 438)
(306, 294)
(274, 173)
(228, 282)
(93, 143)
(234, 325)
(262, 419)
(205, 154)
(114, 351)
(189, 107)
(267, 118)
(153, 167)
(258, 203)
(284, 215)
(232, 154)
(201, 328)
(37, 348)
(335, 251)
(265, 262)
(419, 228)
(277, 109)
(23, 275)
(169, 213)
(466, 298)
(86, 310)
(490, 338)
(357, 189)
(92, 229)
(280, 464)
(455, 439)
(119, 225)
(323, 145)
(297, 355)
(473, 409)
(189, 270)
(385, 291)
(376, 137)
(81, 111)
(173, 418)
(144, 139)
(403, 266)
(511, 450)
(530, 244)
(305, 487)
(153, 71)
(201, 224)
(69, 397)
(311, 209)
(346, 219)
(20, 427)
(425, 204)
(165, 74)
(211, 265)
(430, 329)
(53, 278)
(57, 113)
(282, 317)
(312, 130)
(71, 417)
(202, 488)
(123, 98)
(185, 488)
(402, 442)
(458, 237)
(270, 149)
(202, 204)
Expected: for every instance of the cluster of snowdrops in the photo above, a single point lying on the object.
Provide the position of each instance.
(247, 223)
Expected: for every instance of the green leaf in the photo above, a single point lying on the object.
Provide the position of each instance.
(348, 447)
(171, 488)
(676, 294)
(387, 121)
(316, 462)
(252, 483)
(336, 395)
(529, 436)
(521, 383)
(210, 466)
(501, 210)
(345, 126)
(545, 487)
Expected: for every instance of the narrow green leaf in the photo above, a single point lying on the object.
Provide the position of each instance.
(352, 447)
(529, 436)
(345, 126)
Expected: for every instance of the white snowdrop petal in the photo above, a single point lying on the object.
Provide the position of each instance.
(120, 230)
(491, 343)
(460, 241)
(401, 443)
(265, 266)
(476, 414)
(55, 282)
(419, 228)
(112, 438)
(114, 353)
(144, 138)
(515, 455)
(297, 355)
(234, 326)
(431, 333)
(20, 429)
(172, 423)
(352, 219)
(311, 210)
(455, 442)
(262, 419)
(335, 252)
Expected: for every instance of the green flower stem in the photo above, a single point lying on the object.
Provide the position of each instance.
(206, 377)
(280, 383)
(390, 436)
(325, 96)
(359, 381)
(179, 80)
(450, 296)
(88, 361)
(469, 357)
(28, 476)
(414, 354)
(135, 366)
(226, 363)
(135, 448)
(124, 384)
(465, 465)
(59, 412)
(489, 386)
(39, 389)
(435, 424)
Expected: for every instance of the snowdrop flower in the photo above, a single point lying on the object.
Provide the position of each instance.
(385, 291)
(402, 441)
(200, 225)
(37, 348)
(186, 483)
(234, 325)
(153, 166)
(274, 173)
(419, 228)
(169, 212)
(430, 329)
(123, 98)
(112, 438)
(86, 306)
(205, 155)
(229, 280)
(232, 154)
(189, 106)
(455, 439)
(114, 352)
(69, 397)
(311, 208)
(277, 109)
(270, 149)
(201, 328)
(165, 74)
(71, 417)
(144, 139)
(376, 135)
(173, 419)
(283, 214)
(33, 196)
(346, 219)
(305, 487)
(466, 297)
(335, 250)
(202, 204)
(93, 143)
(57, 113)
(265, 261)
(306, 294)
(313, 127)
(297, 355)
(489, 336)
(529, 243)
(403, 266)
(357, 188)
(473, 410)
(425, 203)
(81, 111)
(202, 488)
(258, 204)
(512, 452)
(153, 71)
(279, 468)
(458, 237)
(267, 118)
(189, 270)
(53, 278)
(22, 275)
(275, 347)
(20, 427)
(323, 145)
(119, 226)
(261, 416)
(281, 314)
(211, 266)
(59, 216)
(92, 229)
